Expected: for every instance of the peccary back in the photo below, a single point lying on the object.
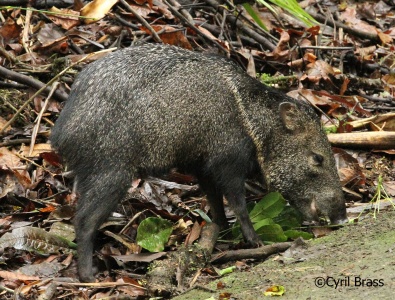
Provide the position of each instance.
(142, 110)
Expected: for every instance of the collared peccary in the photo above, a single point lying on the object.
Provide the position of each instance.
(144, 109)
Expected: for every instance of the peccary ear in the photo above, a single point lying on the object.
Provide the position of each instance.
(291, 116)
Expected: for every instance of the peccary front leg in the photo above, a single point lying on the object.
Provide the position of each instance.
(236, 199)
(100, 193)
(230, 182)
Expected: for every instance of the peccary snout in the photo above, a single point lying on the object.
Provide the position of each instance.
(329, 205)
(339, 217)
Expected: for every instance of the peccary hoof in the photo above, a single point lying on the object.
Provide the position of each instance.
(255, 244)
(254, 241)
(86, 276)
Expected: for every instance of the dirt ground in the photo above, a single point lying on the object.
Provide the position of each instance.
(355, 262)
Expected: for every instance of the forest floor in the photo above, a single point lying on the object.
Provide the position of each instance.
(355, 262)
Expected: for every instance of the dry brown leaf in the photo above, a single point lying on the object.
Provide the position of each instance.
(2, 123)
(66, 18)
(170, 36)
(10, 30)
(37, 150)
(317, 71)
(13, 276)
(194, 234)
(9, 160)
(349, 17)
(96, 10)
(50, 34)
(384, 38)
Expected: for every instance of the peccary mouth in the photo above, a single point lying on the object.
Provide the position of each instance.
(337, 218)
(339, 221)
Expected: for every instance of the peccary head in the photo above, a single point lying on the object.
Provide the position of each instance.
(300, 164)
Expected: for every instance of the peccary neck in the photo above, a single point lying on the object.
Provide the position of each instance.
(257, 106)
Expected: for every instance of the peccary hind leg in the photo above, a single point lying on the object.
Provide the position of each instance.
(215, 199)
(99, 195)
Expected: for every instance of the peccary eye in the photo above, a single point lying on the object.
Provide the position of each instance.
(318, 159)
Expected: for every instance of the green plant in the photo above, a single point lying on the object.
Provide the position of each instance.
(273, 220)
(289, 5)
(379, 195)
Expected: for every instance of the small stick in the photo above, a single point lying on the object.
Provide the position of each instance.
(143, 21)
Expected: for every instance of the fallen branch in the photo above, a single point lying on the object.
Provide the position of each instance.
(38, 3)
(29, 81)
(380, 140)
(373, 36)
(14, 142)
(255, 253)
(377, 119)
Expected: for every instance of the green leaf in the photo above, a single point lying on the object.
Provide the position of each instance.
(275, 290)
(236, 231)
(292, 7)
(271, 217)
(269, 207)
(254, 15)
(272, 233)
(289, 218)
(203, 215)
(262, 223)
(294, 234)
(226, 271)
(153, 234)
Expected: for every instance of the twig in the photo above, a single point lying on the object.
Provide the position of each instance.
(390, 100)
(2, 287)
(216, 30)
(361, 34)
(40, 115)
(193, 27)
(246, 30)
(12, 85)
(8, 55)
(25, 34)
(326, 48)
(34, 83)
(142, 20)
(124, 22)
(182, 10)
(39, 3)
(14, 142)
(34, 164)
(378, 140)
(99, 284)
(257, 253)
